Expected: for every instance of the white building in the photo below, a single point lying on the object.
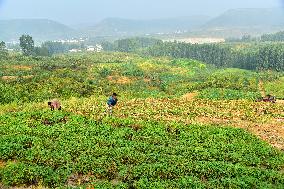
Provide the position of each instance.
(75, 50)
(96, 48)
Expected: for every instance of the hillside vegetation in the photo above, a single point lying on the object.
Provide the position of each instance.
(179, 123)
(245, 55)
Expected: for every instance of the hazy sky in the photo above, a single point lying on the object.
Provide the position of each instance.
(87, 11)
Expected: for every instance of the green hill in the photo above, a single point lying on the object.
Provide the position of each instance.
(40, 29)
(119, 26)
(232, 23)
(239, 22)
(248, 18)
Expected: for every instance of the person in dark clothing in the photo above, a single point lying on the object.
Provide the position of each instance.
(112, 101)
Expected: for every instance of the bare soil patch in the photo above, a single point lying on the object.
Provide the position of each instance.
(2, 164)
(24, 187)
(11, 78)
(8, 78)
(280, 101)
(18, 67)
(21, 67)
(189, 96)
(273, 133)
(28, 76)
(120, 79)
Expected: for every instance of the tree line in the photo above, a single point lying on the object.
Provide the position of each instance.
(251, 56)
(3, 50)
(259, 56)
(49, 48)
(130, 44)
(274, 37)
(279, 36)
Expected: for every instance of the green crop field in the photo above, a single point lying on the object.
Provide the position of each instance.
(179, 123)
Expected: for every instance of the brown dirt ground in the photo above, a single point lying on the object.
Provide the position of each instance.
(273, 133)
(6, 78)
(189, 96)
(280, 101)
(120, 79)
(147, 80)
(2, 164)
(21, 67)
(28, 76)
(22, 187)
(9, 77)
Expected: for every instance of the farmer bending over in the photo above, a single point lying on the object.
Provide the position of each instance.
(111, 103)
(54, 105)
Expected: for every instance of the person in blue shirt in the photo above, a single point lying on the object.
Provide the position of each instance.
(112, 101)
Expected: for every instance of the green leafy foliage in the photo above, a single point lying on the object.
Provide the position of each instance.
(49, 147)
(279, 36)
(59, 47)
(27, 45)
(3, 51)
(130, 44)
(153, 140)
(29, 79)
(276, 88)
(259, 56)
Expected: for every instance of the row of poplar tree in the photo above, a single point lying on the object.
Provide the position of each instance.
(258, 56)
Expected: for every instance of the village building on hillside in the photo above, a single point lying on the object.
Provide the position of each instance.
(75, 50)
(96, 48)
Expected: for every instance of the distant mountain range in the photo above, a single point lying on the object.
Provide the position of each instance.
(232, 23)
(40, 29)
(118, 26)
(237, 18)
(238, 22)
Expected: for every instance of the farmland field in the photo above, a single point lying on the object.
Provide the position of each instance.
(179, 123)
